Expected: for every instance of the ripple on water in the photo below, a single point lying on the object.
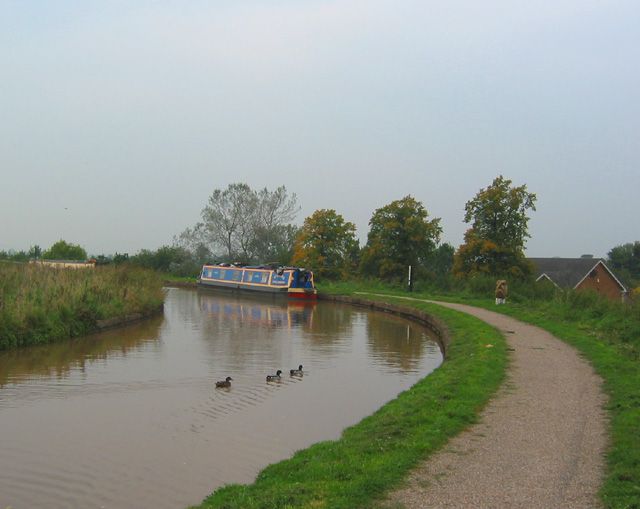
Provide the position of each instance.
(134, 414)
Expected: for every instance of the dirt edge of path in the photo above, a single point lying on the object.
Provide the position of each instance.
(539, 443)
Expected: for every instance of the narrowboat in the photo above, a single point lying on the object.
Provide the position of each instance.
(293, 282)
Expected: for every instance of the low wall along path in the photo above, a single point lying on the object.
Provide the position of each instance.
(540, 442)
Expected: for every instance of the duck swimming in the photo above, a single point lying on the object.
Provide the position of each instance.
(274, 378)
(296, 372)
(224, 383)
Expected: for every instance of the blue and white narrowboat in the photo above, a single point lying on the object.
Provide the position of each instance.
(293, 282)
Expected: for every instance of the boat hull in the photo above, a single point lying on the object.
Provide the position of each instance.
(293, 293)
(240, 286)
(302, 293)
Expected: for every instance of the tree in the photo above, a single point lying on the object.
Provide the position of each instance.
(495, 242)
(228, 218)
(35, 252)
(273, 237)
(275, 244)
(63, 250)
(400, 235)
(175, 260)
(441, 260)
(275, 208)
(120, 258)
(244, 224)
(625, 260)
(327, 244)
(482, 256)
(14, 256)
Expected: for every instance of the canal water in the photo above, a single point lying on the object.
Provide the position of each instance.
(132, 418)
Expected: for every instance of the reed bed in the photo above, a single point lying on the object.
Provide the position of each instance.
(43, 304)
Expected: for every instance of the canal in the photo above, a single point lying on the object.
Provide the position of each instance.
(132, 418)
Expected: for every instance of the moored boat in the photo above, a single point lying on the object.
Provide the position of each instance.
(293, 282)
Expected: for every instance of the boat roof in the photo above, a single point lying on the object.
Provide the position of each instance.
(270, 266)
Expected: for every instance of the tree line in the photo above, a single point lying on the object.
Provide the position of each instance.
(403, 234)
(240, 224)
(61, 250)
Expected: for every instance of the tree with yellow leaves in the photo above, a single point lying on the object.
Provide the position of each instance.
(327, 244)
(495, 242)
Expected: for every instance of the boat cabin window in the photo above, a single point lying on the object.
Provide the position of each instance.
(260, 277)
(231, 274)
(280, 279)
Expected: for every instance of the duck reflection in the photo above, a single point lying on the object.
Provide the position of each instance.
(58, 359)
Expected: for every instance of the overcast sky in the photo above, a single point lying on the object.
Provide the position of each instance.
(118, 119)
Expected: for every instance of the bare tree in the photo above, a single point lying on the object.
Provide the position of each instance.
(228, 216)
(246, 225)
(276, 207)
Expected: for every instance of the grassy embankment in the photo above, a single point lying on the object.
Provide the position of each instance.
(376, 454)
(180, 281)
(40, 304)
(608, 335)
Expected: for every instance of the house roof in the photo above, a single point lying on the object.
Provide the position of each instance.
(568, 272)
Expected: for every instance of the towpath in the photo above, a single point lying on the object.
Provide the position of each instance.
(539, 443)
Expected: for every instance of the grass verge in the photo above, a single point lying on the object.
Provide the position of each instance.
(376, 454)
(607, 334)
(170, 278)
(621, 374)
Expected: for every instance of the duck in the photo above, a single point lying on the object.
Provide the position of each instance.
(274, 378)
(296, 372)
(224, 383)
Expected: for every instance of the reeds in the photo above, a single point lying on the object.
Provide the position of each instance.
(42, 304)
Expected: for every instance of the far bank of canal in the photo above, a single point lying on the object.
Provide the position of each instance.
(132, 414)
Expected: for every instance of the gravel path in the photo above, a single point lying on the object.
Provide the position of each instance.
(540, 442)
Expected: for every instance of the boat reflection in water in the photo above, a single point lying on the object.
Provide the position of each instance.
(133, 413)
(258, 310)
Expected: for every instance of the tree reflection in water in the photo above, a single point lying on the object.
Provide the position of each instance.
(58, 359)
(397, 342)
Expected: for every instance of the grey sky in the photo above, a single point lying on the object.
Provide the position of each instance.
(118, 119)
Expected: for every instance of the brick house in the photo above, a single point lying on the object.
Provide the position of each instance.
(584, 273)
